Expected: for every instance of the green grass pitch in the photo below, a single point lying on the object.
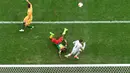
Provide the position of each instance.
(106, 43)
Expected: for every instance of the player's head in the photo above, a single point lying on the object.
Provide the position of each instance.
(29, 5)
(63, 49)
(81, 41)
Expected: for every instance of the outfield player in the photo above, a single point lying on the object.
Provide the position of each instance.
(59, 42)
(28, 19)
(79, 46)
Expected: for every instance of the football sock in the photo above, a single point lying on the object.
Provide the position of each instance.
(23, 25)
(51, 36)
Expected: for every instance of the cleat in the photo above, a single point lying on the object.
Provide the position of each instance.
(64, 32)
(65, 29)
(76, 57)
(51, 33)
(21, 30)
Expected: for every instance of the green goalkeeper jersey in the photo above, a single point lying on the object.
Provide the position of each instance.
(60, 46)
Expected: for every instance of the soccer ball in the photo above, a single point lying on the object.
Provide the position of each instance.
(80, 4)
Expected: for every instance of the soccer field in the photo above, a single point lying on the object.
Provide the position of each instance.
(106, 43)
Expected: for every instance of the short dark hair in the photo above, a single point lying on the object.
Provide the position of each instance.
(29, 5)
(80, 40)
(64, 49)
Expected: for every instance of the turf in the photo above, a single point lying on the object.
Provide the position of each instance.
(52, 10)
(105, 44)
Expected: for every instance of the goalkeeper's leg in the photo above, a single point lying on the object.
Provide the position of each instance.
(64, 32)
(51, 35)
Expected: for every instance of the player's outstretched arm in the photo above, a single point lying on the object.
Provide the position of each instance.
(29, 2)
(75, 42)
(84, 45)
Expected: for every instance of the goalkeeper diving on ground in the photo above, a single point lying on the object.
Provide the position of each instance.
(61, 43)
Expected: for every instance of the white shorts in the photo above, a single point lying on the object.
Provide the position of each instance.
(75, 52)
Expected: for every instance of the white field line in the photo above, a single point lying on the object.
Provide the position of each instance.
(63, 22)
(70, 65)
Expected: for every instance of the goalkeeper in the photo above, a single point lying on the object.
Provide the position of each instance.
(59, 42)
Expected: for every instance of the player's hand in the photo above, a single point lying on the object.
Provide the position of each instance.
(80, 50)
(27, 0)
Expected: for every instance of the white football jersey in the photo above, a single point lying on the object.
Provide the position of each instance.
(77, 45)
